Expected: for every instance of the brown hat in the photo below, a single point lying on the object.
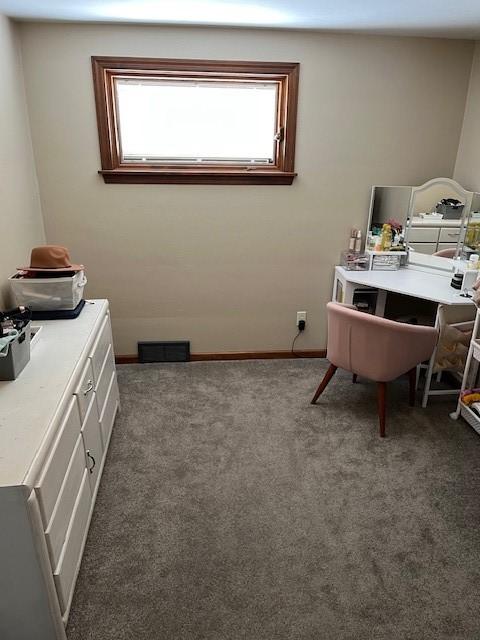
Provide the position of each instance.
(51, 257)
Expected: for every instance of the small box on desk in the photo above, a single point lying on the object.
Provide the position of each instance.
(354, 260)
(386, 260)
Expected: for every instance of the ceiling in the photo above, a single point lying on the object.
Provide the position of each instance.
(449, 18)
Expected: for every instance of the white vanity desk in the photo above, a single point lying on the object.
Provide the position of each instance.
(410, 281)
(56, 419)
(426, 278)
(417, 281)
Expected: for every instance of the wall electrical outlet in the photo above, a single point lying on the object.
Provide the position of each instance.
(301, 315)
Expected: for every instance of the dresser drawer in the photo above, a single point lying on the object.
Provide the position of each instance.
(66, 571)
(62, 514)
(48, 487)
(423, 247)
(109, 410)
(105, 377)
(92, 442)
(100, 347)
(423, 235)
(84, 390)
(451, 234)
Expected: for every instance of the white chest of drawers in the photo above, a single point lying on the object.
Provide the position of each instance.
(55, 425)
(428, 236)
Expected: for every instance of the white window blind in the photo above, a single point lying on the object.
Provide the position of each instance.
(176, 121)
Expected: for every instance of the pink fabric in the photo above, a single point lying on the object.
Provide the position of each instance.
(374, 347)
(445, 253)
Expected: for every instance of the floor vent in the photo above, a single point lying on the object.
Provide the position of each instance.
(176, 351)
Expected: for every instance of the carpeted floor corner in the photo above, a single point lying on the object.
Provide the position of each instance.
(232, 509)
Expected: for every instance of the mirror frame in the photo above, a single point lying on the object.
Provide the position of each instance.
(426, 260)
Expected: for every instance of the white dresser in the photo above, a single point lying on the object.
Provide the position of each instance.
(55, 425)
(428, 236)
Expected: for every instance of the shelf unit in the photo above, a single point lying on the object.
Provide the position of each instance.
(469, 377)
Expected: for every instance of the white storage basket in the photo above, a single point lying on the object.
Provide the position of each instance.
(470, 416)
(48, 294)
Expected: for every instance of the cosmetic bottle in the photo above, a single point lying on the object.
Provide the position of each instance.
(351, 244)
(358, 242)
(386, 242)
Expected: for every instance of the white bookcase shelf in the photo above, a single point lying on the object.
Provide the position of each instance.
(469, 377)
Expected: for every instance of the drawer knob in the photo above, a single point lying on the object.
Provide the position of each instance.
(88, 388)
(93, 461)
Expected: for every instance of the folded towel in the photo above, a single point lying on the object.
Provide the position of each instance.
(5, 341)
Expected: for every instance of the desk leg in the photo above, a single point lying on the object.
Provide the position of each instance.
(342, 290)
(338, 292)
(348, 293)
(336, 282)
(428, 376)
(381, 302)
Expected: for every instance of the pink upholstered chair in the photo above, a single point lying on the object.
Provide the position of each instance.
(446, 253)
(375, 348)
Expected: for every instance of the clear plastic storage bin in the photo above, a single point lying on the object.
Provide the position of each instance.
(386, 260)
(354, 260)
(48, 294)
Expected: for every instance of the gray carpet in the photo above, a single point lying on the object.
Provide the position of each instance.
(230, 508)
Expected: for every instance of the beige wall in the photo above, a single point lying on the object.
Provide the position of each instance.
(467, 168)
(228, 266)
(21, 224)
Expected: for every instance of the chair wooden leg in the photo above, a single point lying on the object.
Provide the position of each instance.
(354, 378)
(326, 379)
(382, 392)
(412, 380)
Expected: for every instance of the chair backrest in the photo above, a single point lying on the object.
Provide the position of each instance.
(446, 253)
(375, 347)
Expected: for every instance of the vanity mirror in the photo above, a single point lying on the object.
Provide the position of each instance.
(471, 243)
(433, 220)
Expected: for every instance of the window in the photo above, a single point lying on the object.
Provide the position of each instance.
(194, 121)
